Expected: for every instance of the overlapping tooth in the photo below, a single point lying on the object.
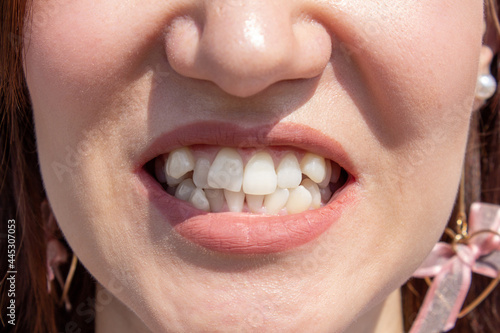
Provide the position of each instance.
(226, 171)
(313, 188)
(300, 200)
(210, 186)
(179, 162)
(171, 181)
(234, 200)
(200, 173)
(259, 177)
(216, 199)
(313, 166)
(276, 201)
(288, 172)
(254, 202)
(199, 200)
(328, 174)
(185, 189)
(336, 170)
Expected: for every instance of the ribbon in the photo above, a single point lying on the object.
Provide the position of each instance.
(474, 250)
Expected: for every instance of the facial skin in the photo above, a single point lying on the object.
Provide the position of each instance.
(391, 81)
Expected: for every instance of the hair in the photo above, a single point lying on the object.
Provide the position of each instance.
(22, 193)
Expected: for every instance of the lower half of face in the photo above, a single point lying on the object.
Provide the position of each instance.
(209, 178)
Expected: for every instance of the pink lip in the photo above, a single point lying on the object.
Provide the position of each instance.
(240, 233)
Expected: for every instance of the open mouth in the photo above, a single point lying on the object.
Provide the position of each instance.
(271, 181)
(247, 190)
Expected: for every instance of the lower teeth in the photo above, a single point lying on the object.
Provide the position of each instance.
(307, 196)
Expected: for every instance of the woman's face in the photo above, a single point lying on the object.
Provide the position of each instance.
(382, 89)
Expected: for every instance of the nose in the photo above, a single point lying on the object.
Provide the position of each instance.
(246, 46)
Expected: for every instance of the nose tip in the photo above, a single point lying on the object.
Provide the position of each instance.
(245, 49)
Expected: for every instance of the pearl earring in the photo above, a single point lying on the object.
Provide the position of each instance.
(486, 86)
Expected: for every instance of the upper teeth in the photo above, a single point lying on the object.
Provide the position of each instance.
(291, 187)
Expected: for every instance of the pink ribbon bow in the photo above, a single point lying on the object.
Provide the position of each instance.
(452, 265)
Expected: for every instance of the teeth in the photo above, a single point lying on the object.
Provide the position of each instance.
(200, 174)
(313, 166)
(171, 181)
(179, 162)
(234, 200)
(336, 170)
(299, 200)
(225, 184)
(259, 177)
(276, 201)
(254, 202)
(328, 174)
(185, 189)
(313, 188)
(288, 172)
(199, 200)
(226, 171)
(326, 193)
(216, 199)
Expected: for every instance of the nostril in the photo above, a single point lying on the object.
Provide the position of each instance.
(245, 49)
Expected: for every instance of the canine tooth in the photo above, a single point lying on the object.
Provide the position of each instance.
(313, 188)
(180, 162)
(300, 200)
(336, 170)
(328, 174)
(274, 202)
(313, 166)
(200, 173)
(234, 200)
(226, 171)
(199, 200)
(288, 172)
(254, 202)
(326, 194)
(216, 199)
(160, 169)
(185, 189)
(260, 177)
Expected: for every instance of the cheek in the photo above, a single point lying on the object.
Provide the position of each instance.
(418, 61)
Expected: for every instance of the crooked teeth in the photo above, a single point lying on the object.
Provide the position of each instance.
(276, 201)
(185, 189)
(313, 166)
(200, 174)
(235, 200)
(180, 162)
(313, 188)
(254, 202)
(299, 200)
(226, 171)
(288, 172)
(226, 184)
(215, 199)
(259, 177)
(199, 200)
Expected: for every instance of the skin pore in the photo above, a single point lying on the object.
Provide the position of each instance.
(391, 82)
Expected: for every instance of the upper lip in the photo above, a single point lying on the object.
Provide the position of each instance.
(231, 135)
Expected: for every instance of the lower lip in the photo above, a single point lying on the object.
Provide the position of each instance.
(243, 233)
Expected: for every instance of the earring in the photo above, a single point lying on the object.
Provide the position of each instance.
(56, 255)
(486, 86)
(475, 248)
